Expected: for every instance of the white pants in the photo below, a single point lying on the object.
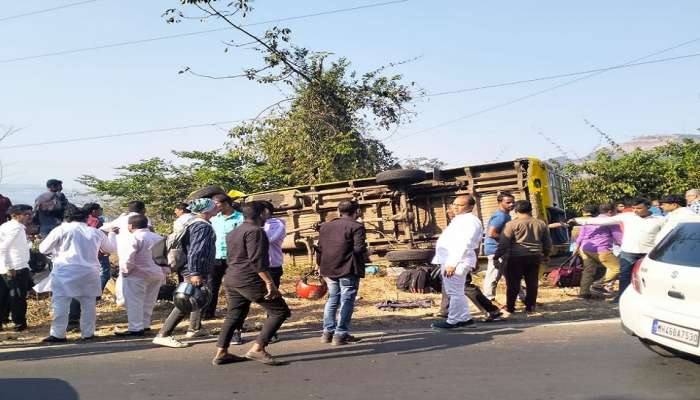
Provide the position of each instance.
(491, 278)
(140, 296)
(61, 308)
(459, 307)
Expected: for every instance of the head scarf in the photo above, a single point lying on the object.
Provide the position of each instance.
(201, 206)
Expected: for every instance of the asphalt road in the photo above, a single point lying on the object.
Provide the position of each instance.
(591, 360)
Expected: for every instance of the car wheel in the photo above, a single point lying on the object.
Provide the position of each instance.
(411, 255)
(397, 177)
(663, 351)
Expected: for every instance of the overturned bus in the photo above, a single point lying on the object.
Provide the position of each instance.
(405, 210)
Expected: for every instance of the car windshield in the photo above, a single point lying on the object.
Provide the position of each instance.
(681, 246)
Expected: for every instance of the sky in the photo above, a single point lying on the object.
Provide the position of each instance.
(459, 44)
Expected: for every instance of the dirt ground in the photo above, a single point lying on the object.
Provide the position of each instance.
(554, 304)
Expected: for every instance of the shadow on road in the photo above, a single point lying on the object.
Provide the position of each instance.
(400, 343)
(37, 388)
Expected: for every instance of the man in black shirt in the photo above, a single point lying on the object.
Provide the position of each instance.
(248, 280)
(341, 256)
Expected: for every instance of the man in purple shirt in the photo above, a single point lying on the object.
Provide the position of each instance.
(594, 245)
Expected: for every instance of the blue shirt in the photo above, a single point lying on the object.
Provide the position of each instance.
(222, 225)
(498, 220)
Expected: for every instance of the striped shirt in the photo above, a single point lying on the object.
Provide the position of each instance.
(199, 248)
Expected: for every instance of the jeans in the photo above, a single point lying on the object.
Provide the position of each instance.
(627, 261)
(474, 295)
(238, 300)
(491, 278)
(13, 296)
(105, 270)
(341, 294)
(215, 278)
(527, 267)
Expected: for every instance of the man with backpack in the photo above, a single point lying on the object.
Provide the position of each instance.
(50, 206)
(198, 246)
(456, 253)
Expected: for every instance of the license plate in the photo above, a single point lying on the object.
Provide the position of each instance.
(675, 332)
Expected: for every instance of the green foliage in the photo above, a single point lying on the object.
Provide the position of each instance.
(669, 169)
(320, 132)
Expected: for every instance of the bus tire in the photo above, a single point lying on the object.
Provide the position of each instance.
(400, 177)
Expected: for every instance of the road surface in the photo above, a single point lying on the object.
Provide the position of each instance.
(587, 360)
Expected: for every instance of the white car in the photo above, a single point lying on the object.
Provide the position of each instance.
(662, 305)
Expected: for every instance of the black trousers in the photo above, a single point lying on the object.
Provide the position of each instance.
(474, 295)
(526, 267)
(216, 276)
(13, 295)
(239, 300)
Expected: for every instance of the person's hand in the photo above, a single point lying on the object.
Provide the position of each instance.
(12, 273)
(272, 292)
(449, 271)
(196, 280)
(572, 221)
(497, 262)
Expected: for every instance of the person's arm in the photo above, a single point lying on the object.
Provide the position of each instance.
(130, 248)
(547, 243)
(359, 243)
(6, 242)
(51, 242)
(504, 242)
(275, 232)
(616, 234)
(496, 226)
(458, 247)
(109, 243)
(614, 220)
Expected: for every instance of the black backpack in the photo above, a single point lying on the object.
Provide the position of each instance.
(420, 280)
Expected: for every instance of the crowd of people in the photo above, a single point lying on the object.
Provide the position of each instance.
(217, 242)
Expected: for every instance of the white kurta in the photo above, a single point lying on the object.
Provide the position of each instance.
(74, 247)
(456, 247)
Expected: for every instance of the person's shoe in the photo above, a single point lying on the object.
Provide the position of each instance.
(169, 341)
(467, 324)
(263, 357)
(127, 332)
(327, 337)
(20, 328)
(615, 300)
(146, 330)
(197, 334)
(86, 339)
(585, 296)
(237, 339)
(341, 340)
(443, 325)
(601, 291)
(53, 339)
(227, 358)
(207, 317)
(493, 316)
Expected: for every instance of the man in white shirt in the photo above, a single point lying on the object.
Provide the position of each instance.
(675, 214)
(74, 247)
(15, 280)
(141, 276)
(692, 198)
(455, 252)
(639, 235)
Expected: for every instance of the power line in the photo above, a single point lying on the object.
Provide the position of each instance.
(537, 93)
(130, 133)
(549, 77)
(180, 35)
(46, 10)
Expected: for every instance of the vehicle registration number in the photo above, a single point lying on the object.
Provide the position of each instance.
(675, 332)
